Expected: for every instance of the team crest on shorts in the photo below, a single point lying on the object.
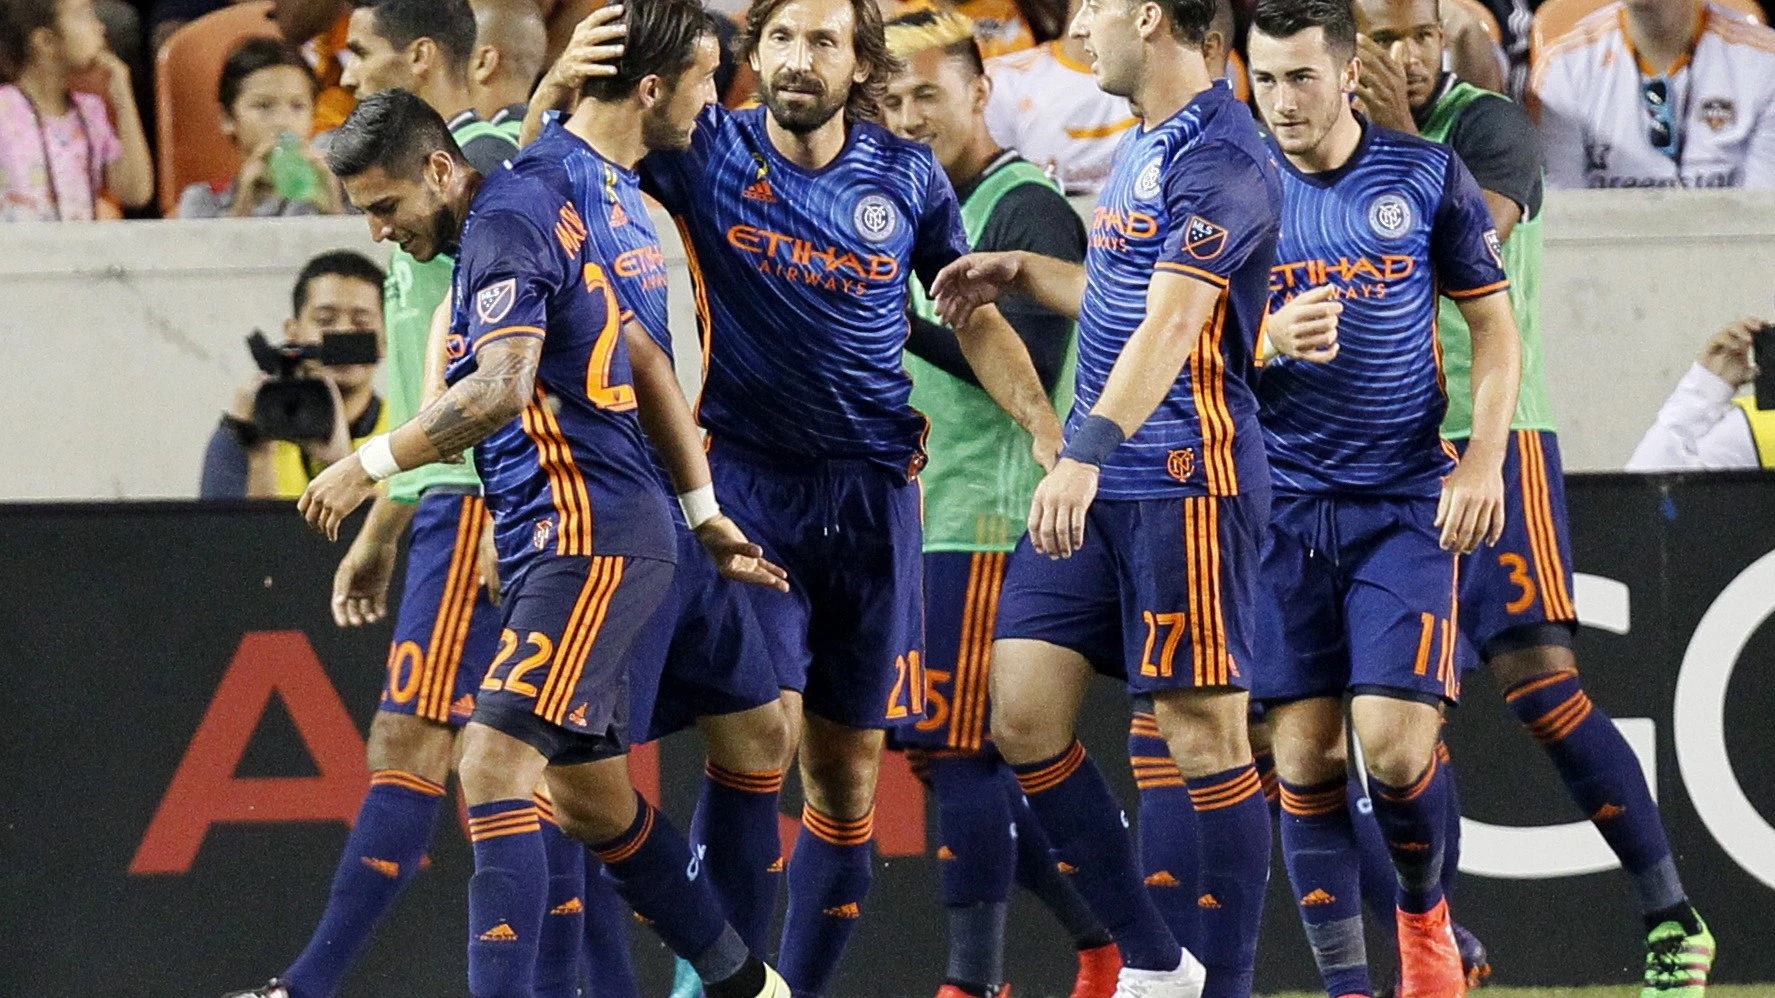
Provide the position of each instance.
(875, 218)
(494, 302)
(539, 538)
(1147, 184)
(1181, 464)
(1203, 238)
(1719, 112)
(1389, 216)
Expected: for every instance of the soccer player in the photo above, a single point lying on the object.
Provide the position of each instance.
(804, 222)
(554, 254)
(1373, 511)
(1518, 608)
(1154, 582)
(977, 487)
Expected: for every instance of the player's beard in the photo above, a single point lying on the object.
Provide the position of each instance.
(804, 118)
(446, 229)
(658, 131)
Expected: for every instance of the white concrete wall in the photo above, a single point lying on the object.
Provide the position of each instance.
(120, 344)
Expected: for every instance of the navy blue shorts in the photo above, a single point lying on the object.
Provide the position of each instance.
(703, 653)
(445, 629)
(961, 603)
(1524, 582)
(561, 679)
(849, 634)
(1364, 600)
(1162, 595)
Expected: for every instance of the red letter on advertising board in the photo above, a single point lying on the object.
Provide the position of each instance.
(205, 791)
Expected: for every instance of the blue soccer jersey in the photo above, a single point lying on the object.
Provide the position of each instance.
(1196, 196)
(1397, 225)
(545, 248)
(801, 280)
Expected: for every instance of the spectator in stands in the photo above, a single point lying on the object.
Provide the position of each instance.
(266, 98)
(1701, 425)
(511, 41)
(337, 292)
(58, 149)
(1658, 93)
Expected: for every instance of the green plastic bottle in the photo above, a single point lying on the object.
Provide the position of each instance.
(292, 175)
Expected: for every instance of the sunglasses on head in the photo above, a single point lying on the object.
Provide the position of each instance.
(1661, 126)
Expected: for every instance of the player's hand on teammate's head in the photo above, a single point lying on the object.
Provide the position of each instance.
(360, 586)
(1471, 509)
(1306, 327)
(1057, 513)
(593, 50)
(737, 558)
(334, 494)
(1728, 353)
(970, 282)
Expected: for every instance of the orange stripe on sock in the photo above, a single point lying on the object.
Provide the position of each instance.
(1055, 773)
(767, 781)
(839, 831)
(410, 781)
(517, 822)
(1535, 685)
(1418, 787)
(1237, 790)
(624, 850)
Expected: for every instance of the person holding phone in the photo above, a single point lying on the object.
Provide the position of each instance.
(1705, 424)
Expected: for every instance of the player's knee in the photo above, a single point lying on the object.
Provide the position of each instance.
(839, 769)
(1307, 740)
(411, 745)
(1024, 734)
(1397, 764)
(590, 820)
(1513, 668)
(750, 741)
(496, 766)
(1205, 729)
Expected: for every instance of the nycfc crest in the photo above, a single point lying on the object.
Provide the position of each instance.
(875, 218)
(1147, 184)
(1389, 216)
(539, 537)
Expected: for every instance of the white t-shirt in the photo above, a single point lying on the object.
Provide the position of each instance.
(1049, 109)
(1697, 427)
(1587, 92)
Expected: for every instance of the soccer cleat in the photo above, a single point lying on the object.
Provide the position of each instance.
(1475, 961)
(273, 988)
(685, 982)
(774, 985)
(953, 991)
(1429, 960)
(1676, 962)
(1098, 968)
(1184, 982)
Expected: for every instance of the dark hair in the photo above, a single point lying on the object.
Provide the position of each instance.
(394, 129)
(868, 41)
(1190, 19)
(936, 23)
(335, 263)
(19, 20)
(661, 41)
(253, 55)
(1286, 18)
(449, 23)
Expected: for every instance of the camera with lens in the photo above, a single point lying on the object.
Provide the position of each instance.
(295, 405)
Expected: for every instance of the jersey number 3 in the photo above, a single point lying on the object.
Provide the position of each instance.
(602, 393)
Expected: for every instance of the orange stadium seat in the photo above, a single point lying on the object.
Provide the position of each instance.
(1557, 17)
(1478, 10)
(187, 69)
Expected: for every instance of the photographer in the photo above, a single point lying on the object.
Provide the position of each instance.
(337, 293)
(1701, 425)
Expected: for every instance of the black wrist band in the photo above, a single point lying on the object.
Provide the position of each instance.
(1093, 440)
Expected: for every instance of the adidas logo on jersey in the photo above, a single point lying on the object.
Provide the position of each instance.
(464, 706)
(1208, 901)
(386, 867)
(501, 933)
(578, 717)
(1163, 878)
(618, 217)
(571, 906)
(760, 191)
(849, 909)
(1317, 896)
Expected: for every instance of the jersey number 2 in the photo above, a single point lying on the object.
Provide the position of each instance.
(603, 394)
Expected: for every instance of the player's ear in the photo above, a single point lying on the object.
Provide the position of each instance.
(1352, 73)
(651, 90)
(1147, 22)
(485, 64)
(982, 93)
(440, 170)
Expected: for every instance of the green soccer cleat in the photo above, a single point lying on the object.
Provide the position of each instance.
(1676, 962)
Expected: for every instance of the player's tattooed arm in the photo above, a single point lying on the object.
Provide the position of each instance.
(472, 409)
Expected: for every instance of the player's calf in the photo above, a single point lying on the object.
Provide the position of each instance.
(734, 829)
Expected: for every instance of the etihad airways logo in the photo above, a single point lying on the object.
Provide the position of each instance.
(1358, 277)
(1114, 229)
(801, 261)
(647, 263)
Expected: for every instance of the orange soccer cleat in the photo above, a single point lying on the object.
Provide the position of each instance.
(1429, 959)
(1098, 968)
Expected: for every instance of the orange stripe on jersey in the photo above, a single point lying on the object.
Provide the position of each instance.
(968, 650)
(573, 538)
(444, 678)
(1201, 275)
(1556, 599)
(507, 332)
(1480, 292)
(552, 455)
(978, 693)
(1207, 619)
(1451, 634)
(1055, 773)
(464, 560)
(603, 578)
(1208, 393)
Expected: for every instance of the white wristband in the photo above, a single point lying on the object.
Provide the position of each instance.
(699, 506)
(378, 459)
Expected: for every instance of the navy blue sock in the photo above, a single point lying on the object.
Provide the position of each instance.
(1380, 885)
(1166, 830)
(1233, 832)
(1451, 849)
(977, 863)
(1414, 821)
(393, 829)
(558, 968)
(1090, 834)
(829, 877)
(1038, 872)
(609, 962)
(651, 867)
(744, 858)
(1319, 846)
(1603, 776)
(506, 898)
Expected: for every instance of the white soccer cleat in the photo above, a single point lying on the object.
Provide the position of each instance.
(1186, 981)
(774, 985)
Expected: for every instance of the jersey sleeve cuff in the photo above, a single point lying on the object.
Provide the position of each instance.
(1480, 292)
(1206, 277)
(506, 333)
